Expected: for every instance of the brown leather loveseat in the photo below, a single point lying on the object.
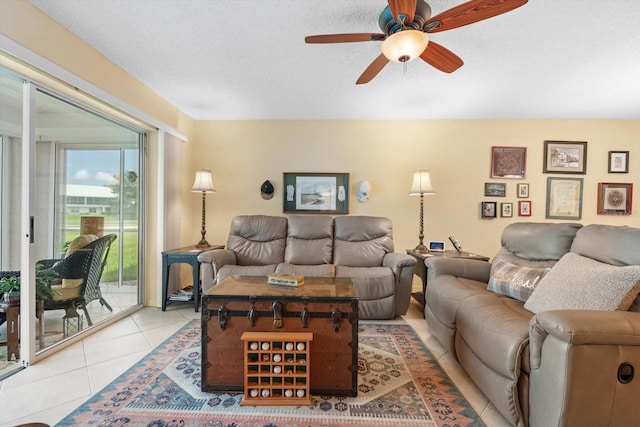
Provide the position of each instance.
(359, 247)
(550, 329)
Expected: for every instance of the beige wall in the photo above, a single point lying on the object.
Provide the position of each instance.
(242, 154)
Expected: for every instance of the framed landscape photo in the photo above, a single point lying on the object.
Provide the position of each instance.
(495, 189)
(523, 191)
(524, 208)
(614, 198)
(618, 162)
(508, 162)
(565, 157)
(506, 210)
(564, 198)
(489, 209)
(326, 193)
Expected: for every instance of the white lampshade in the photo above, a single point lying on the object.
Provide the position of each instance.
(203, 182)
(405, 46)
(421, 184)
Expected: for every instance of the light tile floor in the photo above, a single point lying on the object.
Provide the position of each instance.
(52, 388)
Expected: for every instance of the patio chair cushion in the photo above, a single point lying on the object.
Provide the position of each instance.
(70, 288)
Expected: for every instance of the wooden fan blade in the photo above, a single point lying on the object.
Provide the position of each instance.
(373, 69)
(344, 38)
(468, 13)
(402, 7)
(441, 58)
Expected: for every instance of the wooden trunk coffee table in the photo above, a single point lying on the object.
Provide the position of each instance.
(324, 306)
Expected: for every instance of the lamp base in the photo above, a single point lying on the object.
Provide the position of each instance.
(421, 248)
(203, 244)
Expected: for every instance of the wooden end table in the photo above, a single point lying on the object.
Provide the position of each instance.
(186, 255)
(420, 269)
(13, 327)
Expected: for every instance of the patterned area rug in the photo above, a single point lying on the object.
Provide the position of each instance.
(399, 384)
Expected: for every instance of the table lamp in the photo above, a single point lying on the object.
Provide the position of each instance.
(203, 183)
(421, 186)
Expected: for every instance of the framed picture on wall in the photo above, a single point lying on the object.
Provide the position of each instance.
(506, 210)
(316, 193)
(565, 157)
(508, 162)
(614, 198)
(564, 198)
(523, 191)
(489, 209)
(618, 162)
(524, 208)
(495, 189)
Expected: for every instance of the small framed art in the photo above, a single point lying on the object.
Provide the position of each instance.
(524, 208)
(316, 193)
(508, 162)
(614, 198)
(565, 157)
(506, 210)
(495, 189)
(523, 191)
(489, 209)
(564, 198)
(618, 162)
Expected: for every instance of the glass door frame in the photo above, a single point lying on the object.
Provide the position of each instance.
(29, 352)
(27, 246)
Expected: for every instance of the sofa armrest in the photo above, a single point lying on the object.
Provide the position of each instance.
(585, 368)
(459, 267)
(402, 266)
(582, 327)
(211, 262)
(398, 261)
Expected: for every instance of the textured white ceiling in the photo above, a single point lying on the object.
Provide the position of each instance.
(246, 59)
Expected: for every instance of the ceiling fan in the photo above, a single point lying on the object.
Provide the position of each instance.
(406, 23)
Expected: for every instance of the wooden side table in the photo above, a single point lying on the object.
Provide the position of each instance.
(420, 269)
(13, 329)
(186, 255)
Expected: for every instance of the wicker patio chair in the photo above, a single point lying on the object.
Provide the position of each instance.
(87, 263)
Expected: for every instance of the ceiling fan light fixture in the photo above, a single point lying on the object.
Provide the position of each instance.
(404, 46)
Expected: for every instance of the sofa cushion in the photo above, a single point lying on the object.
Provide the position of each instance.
(497, 330)
(371, 282)
(492, 344)
(581, 283)
(309, 239)
(70, 288)
(361, 241)
(513, 280)
(445, 292)
(607, 243)
(258, 239)
(539, 241)
(321, 270)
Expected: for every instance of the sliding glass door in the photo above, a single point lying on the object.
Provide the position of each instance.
(85, 180)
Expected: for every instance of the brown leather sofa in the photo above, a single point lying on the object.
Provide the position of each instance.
(359, 247)
(566, 364)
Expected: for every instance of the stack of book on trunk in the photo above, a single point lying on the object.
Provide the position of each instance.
(285, 280)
